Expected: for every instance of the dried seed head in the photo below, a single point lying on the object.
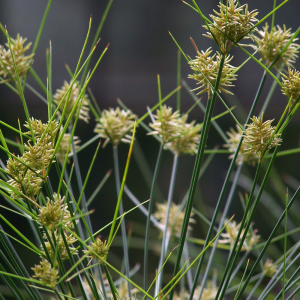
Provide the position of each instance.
(258, 136)
(269, 268)
(206, 70)
(69, 99)
(98, 247)
(61, 247)
(23, 62)
(54, 213)
(291, 85)
(115, 126)
(176, 217)
(270, 44)
(231, 234)
(231, 24)
(232, 143)
(46, 274)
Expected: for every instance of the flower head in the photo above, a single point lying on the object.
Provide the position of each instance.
(115, 126)
(206, 70)
(231, 24)
(258, 136)
(176, 216)
(54, 212)
(98, 247)
(64, 145)
(232, 230)
(22, 62)
(270, 44)
(232, 143)
(291, 85)
(46, 274)
(269, 268)
(70, 98)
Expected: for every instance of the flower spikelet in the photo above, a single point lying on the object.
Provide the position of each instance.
(72, 98)
(269, 268)
(206, 70)
(166, 123)
(270, 44)
(232, 143)
(291, 85)
(231, 24)
(98, 247)
(23, 62)
(63, 147)
(46, 274)
(258, 136)
(188, 139)
(176, 216)
(115, 126)
(61, 247)
(54, 212)
(232, 230)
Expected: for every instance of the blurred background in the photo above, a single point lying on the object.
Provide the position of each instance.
(140, 48)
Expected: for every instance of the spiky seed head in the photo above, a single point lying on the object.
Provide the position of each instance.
(231, 24)
(46, 274)
(269, 268)
(115, 126)
(65, 97)
(270, 43)
(54, 213)
(258, 136)
(176, 217)
(98, 247)
(60, 244)
(234, 137)
(291, 85)
(206, 70)
(22, 62)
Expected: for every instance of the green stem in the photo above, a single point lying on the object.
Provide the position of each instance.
(155, 175)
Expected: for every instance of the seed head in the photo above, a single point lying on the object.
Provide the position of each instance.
(270, 44)
(23, 62)
(54, 212)
(115, 126)
(231, 24)
(258, 136)
(176, 217)
(291, 85)
(269, 268)
(61, 247)
(63, 147)
(70, 99)
(46, 274)
(98, 247)
(232, 143)
(206, 70)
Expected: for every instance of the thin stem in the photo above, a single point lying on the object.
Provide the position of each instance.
(121, 212)
(155, 175)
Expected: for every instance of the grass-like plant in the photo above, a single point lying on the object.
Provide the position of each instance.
(75, 261)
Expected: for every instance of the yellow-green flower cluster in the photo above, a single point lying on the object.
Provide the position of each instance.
(115, 126)
(97, 249)
(22, 62)
(231, 24)
(260, 135)
(269, 268)
(291, 85)
(63, 147)
(27, 172)
(206, 69)
(176, 217)
(46, 274)
(231, 234)
(67, 97)
(232, 143)
(180, 136)
(270, 44)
